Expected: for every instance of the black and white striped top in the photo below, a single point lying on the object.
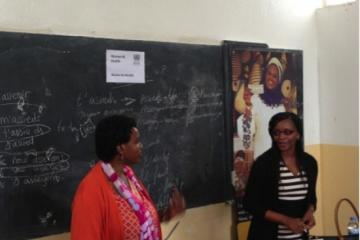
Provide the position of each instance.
(292, 189)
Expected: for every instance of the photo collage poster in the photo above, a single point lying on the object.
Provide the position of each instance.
(263, 82)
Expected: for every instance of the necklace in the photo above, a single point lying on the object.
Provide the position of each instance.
(148, 231)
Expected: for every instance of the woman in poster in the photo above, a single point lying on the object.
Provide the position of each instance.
(262, 94)
(266, 100)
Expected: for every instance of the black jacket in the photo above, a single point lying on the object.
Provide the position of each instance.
(262, 191)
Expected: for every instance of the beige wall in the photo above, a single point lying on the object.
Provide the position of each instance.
(210, 222)
(63, 236)
(340, 179)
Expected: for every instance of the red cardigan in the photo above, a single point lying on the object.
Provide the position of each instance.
(98, 213)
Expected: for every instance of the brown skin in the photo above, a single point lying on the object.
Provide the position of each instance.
(271, 77)
(131, 151)
(129, 154)
(285, 136)
(176, 206)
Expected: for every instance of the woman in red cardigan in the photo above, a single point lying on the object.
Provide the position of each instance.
(111, 203)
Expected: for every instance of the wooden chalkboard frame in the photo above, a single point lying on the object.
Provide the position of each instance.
(229, 46)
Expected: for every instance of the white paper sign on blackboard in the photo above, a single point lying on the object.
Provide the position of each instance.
(125, 66)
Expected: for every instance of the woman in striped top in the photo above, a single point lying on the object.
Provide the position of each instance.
(280, 193)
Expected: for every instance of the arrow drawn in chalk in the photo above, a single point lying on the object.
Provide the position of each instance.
(128, 101)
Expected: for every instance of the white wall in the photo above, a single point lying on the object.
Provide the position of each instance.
(338, 41)
(279, 23)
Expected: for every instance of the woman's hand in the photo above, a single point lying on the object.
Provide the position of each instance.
(177, 203)
(309, 219)
(176, 206)
(295, 224)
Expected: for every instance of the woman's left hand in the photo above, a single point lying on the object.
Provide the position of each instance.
(176, 206)
(177, 203)
(309, 219)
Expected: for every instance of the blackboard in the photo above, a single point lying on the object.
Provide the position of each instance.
(54, 91)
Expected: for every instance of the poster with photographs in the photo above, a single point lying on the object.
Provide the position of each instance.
(261, 82)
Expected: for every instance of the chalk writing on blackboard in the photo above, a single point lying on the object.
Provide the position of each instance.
(53, 93)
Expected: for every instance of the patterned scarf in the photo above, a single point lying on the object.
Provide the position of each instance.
(148, 231)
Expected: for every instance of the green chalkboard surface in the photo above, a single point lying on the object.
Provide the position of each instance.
(53, 91)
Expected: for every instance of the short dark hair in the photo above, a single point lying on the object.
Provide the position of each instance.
(297, 123)
(110, 132)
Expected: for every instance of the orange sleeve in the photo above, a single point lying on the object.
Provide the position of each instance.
(87, 214)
